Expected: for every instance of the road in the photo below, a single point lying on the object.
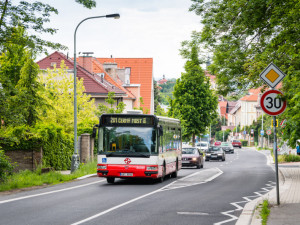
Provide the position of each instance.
(215, 194)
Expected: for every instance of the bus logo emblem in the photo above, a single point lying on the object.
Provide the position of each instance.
(127, 160)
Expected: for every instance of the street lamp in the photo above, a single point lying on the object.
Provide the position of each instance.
(75, 156)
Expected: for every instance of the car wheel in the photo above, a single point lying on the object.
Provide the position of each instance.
(223, 159)
(240, 147)
(110, 180)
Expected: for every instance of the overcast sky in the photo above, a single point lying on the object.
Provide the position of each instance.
(147, 28)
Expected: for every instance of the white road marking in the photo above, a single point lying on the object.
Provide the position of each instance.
(50, 192)
(269, 187)
(193, 213)
(164, 188)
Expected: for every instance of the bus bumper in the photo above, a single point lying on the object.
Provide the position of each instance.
(132, 171)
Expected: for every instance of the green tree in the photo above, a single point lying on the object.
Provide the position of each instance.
(33, 17)
(245, 36)
(194, 103)
(102, 108)
(59, 95)
(157, 97)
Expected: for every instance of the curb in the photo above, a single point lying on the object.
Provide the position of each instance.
(86, 176)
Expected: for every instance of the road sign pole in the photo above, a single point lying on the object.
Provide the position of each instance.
(276, 160)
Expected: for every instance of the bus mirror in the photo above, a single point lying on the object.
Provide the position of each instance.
(94, 132)
(160, 131)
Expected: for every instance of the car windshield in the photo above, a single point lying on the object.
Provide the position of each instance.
(128, 141)
(203, 144)
(226, 144)
(235, 141)
(214, 149)
(189, 151)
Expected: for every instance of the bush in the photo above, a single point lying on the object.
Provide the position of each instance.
(6, 168)
(291, 158)
(244, 143)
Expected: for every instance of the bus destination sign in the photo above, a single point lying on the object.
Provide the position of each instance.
(127, 120)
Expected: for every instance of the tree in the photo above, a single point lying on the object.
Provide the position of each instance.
(102, 108)
(245, 36)
(194, 103)
(157, 97)
(59, 95)
(33, 17)
(18, 78)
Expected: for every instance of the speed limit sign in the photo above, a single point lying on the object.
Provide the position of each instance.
(271, 103)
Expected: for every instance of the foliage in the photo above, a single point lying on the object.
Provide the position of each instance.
(219, 135)
(244, 37)
(265, 211)
(145, 111)
(28, 178)
(244, 143)
(57, 146)
(6, 168)
(215, 126)
(157, 97)
(166, 91)
(102, 108)
(59, 95)
(288, 158)
(194, 104)
(31, 16)
(160, 111)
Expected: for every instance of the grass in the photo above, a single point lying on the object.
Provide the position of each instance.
(25, 179)
(264, 212)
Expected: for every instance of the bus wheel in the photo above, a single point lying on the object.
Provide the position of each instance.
(110, 180)
(161, 179)
(174, 174)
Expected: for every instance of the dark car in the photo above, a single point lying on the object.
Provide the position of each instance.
(215, 153)
(192, 156)
(227, 147)
(236, 143)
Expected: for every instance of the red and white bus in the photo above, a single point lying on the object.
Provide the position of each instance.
(138, 146)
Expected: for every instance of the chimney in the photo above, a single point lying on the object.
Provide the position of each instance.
(85, 61)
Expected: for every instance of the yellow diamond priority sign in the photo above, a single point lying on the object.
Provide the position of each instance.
(272, 75)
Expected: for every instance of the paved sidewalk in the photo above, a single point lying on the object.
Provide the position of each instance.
(288, 212)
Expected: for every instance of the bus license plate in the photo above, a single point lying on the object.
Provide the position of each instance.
(126, 174)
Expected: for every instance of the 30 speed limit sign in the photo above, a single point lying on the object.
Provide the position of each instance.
(271, 103)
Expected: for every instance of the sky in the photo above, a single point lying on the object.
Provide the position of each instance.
(146, 29)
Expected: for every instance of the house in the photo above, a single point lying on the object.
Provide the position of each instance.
(162, 81)
(95, 85)
(115, 76)
(138, 74)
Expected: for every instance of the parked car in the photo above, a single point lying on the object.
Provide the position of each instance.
(203, 146)
(192, 156)
(236, 143)
(215, 153)
(227, 147)
(217, 143)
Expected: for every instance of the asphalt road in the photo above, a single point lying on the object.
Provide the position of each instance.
(215, 194)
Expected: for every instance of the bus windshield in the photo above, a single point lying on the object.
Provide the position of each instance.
(128, 141)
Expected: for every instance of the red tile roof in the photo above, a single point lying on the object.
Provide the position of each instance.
(91, 83)
(141, 73)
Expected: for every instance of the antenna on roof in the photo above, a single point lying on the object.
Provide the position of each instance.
(87, 54)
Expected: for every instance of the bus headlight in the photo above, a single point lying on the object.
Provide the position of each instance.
(151, 168)
(102, 167)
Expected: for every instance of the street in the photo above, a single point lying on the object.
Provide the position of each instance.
(215, 194)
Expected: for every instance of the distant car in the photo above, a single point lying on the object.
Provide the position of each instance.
(217, 143)
(236, 143)
(215, 153)
(192, 156)
(227, 147)
(203, 146)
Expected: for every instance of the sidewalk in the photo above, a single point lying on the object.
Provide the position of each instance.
(288, 212)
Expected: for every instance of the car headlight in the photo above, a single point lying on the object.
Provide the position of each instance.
(151, 168)
(207, 154)
(220, 154)
(194, 159)
(102, 167)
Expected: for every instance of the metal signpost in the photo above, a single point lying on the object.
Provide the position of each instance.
(271, 103)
